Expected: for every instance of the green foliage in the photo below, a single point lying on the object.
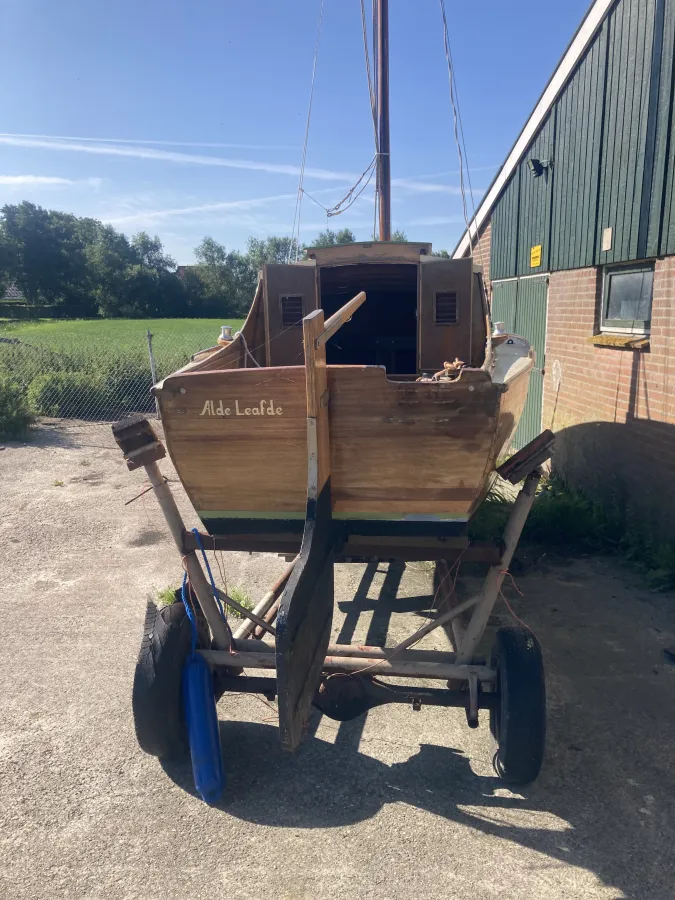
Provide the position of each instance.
(330, 238)
(85, 268)
(166, 597)
(242, 598)
(223, 280)
(66, 394)
(442, 254)
(271, 250)
(98, 369)
(567, 519)
(82, 268)
(15, 413)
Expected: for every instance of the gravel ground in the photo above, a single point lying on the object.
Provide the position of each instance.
(395, 805)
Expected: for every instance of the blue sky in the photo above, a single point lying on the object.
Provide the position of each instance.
(187, 119)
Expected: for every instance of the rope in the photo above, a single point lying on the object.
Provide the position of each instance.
(350, 196)
(195, 531)
(246, 350)
(190, 614)
(298, 202)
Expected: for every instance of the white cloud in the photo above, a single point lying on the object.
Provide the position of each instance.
(149, 153)
(429, 187)
(141, 216)
(28, 180)
(216, 144)
(138, 152)
(436, 220)
(159, 215)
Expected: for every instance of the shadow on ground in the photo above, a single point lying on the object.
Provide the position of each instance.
(602, 801)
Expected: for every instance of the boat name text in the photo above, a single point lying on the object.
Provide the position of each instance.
(264, 408)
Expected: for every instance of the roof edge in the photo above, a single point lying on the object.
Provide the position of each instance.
(575, 50)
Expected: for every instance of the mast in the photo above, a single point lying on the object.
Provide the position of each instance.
(383, 159)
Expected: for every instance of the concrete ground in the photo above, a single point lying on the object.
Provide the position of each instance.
(396, 805)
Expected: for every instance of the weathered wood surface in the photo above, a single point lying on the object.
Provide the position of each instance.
(396, 447)
(368, 252)
(306, 605)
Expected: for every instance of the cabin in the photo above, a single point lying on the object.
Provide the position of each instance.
(421, 310)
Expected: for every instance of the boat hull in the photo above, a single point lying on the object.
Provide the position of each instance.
(406, 457)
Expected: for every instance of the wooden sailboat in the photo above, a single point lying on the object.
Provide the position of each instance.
(359, 414)
(421, 399)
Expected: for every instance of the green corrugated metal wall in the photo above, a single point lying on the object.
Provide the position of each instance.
(521, 305)
(664, 238)
(503, 308)
(531, 324)
(630, 26)
(612, 139)
(575, 185)
(504, 231)
(535, 203)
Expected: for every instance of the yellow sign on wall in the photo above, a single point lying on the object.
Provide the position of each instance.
(535, 256)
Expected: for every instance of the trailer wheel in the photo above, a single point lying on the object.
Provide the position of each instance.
(156, 697)
(518, 721)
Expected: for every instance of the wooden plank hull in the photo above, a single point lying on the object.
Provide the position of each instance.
(401, 451)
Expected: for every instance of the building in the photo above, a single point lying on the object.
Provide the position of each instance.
(12, 292)
(577, 238)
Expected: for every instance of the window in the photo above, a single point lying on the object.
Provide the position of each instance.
(291, 310)
(627, 298)
(445, 308)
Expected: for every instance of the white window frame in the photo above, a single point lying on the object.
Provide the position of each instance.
(610, 326)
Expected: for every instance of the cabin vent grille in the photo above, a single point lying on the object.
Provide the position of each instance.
(291, 311)
(445, 308)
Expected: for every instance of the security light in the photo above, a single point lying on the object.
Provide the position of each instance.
(538, 166)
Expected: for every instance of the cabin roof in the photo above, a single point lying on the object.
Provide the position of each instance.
(369, 251)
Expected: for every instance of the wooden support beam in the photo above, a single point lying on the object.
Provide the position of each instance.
(397, 666)
(495, 577)
(197, 578)
(306, 608)
(338, 319)
(247, 613)
(266, 603)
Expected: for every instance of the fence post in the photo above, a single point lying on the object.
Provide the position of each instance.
(153, 369)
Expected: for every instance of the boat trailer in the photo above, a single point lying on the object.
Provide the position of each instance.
(301, 668)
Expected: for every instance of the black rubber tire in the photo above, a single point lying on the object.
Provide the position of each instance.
(156, 697)
(518, 723)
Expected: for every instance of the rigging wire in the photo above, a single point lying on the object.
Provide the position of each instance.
(371, 87)
(298, 202)
(376, 88)
(372, 93)
(459, 136)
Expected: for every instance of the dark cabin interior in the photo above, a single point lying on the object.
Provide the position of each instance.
(383, 332)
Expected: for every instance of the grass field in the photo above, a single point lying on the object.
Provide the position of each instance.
(98, 368)
(75, 335)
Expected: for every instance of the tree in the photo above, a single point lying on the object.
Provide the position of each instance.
(44, 254)
(271, 250)
(227, 280)
(399, 237)
(330, 238)
(443, 254)
(150, 252)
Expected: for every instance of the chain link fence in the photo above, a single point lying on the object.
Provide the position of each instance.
(98, 374)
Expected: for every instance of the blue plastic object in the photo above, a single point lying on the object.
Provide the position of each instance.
(202, 724)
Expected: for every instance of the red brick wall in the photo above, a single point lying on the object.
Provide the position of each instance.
(614, 410)
(481, 252)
